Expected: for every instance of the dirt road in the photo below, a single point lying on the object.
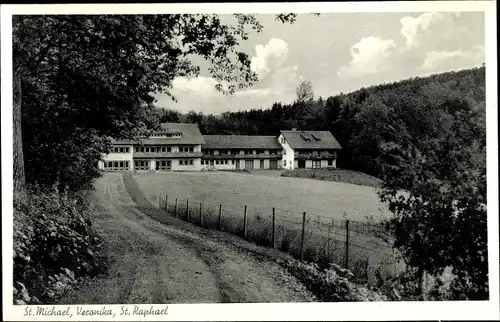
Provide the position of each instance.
(156, 263)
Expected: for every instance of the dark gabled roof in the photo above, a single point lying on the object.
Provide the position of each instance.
(190, 132)
(190, 135)
(240, 142)
(311, 140)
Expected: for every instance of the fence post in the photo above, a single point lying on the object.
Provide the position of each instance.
(176, 207)
(273, 237)
(220, 217)
(302, 235)
(187, 210)
(245, 222)
(347, 244)
(330, 226)
(201, 216)
(166, 203)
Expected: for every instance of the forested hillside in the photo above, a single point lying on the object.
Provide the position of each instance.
(362, 120)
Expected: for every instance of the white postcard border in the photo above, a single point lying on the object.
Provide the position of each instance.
(283, 311)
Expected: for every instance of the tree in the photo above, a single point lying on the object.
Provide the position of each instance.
(20, 193)
(436, 187)
(305, 93)
(82, 78)
(302, 108)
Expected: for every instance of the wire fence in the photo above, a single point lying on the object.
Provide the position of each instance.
(362, 247)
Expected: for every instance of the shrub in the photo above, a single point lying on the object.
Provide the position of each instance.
(54, 245)
(331, 284)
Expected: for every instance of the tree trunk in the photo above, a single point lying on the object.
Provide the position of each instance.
(422, 284)
(20, 193)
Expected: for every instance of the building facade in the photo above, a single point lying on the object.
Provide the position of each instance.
(181, 147)
(239, 152)
(309, 149)
(177, 147)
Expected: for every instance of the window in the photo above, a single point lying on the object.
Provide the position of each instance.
(121, 164)
(147, 149)
(191, 162)
(163, 165)
(191, 149)
(169, 149)
(233, 162)
(216, 161)
(284, 163)
(141, 165)
(162, 149)
(122, 150)
(136, 149)
(153, 149)
(330, 162)
(284, 152)
(142, 149)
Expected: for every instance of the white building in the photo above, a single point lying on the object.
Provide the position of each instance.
(181, 147)
(176, 147)
(308, 149)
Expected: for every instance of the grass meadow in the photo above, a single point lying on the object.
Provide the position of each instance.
(327, 205)
(294, 195)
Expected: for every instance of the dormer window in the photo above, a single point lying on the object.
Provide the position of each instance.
(315, 137)
(166, 135)
(304, 137)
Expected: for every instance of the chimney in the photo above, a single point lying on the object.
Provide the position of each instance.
(294, 129)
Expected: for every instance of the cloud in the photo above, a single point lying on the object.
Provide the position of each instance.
(431, 42)
(412, 28)
(448, 60)
(432, 30)
(268, 63)
(269, 57)
(369, 56)
(202, 85)
(277, 82)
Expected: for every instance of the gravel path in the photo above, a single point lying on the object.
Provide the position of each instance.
(156, 263)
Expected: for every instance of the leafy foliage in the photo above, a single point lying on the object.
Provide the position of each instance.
(54, 245)
(333, 284)
(441, 219)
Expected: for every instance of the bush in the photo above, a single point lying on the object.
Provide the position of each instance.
(54, 245)
(331, 284)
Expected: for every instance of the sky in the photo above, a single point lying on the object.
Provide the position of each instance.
(338, 52)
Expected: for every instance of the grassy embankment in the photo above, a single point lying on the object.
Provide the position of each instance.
(335, 175)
